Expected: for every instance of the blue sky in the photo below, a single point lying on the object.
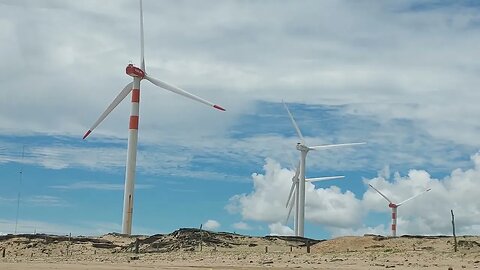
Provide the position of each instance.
(401, 76)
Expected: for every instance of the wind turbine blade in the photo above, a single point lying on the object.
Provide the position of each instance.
(182, 92)
(142, 44)
(291, 193)
(324, 178)
(413, 197)
(299, 133)
(327, 146)
(110, 108)
(381, 194)
(297, 171)
(292, 202)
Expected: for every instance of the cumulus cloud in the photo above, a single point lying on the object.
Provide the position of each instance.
(266, 202)
(280, 229)
(430, 213)
(211, 225)
(374, 51)
(241, 226)
(342, 213)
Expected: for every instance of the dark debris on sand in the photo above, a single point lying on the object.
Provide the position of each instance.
(191, 238)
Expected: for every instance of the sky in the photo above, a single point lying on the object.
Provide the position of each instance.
(401, 76)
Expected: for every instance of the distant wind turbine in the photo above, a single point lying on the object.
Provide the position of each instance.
(304, 149)
(293, 195)
(137, 74)
(394, 207)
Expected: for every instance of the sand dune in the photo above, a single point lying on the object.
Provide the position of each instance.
(195, 249)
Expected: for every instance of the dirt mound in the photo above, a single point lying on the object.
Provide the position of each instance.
(189, 239)
(29, 244)
(469, 244)
(349, 243)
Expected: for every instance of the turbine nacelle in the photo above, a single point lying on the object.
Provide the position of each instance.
(392, 205)
(299, 184)
(134, 71)
(302, 147)
(138, 74)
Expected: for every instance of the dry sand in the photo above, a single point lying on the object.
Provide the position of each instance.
(181, 250)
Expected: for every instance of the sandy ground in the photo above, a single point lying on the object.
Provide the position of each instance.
(366, 252)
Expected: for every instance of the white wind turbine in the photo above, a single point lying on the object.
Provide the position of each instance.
(137, 74)
(303, 148)
(394, 207)
(291, 201)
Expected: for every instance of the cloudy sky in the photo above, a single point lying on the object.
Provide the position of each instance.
(399, 75)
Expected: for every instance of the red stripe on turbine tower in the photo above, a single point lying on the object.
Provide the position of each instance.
(136, 95)
(133, 122)
(138, 74)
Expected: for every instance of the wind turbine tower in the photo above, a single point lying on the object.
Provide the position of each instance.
(394, 207)
(291, 201)
(138, 74)
(304, 149)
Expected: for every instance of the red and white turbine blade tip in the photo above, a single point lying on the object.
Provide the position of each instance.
(86, 134)
(181, 92)
(218, 107)
(126, 90)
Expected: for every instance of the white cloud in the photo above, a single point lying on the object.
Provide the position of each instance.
(7, 200)
(342, 213)
(211, 225)
(97, 186)
(266, 202)
(373, 60)
(362, 56)
(381, 229)
(45, 200)
(242, 226)
(280, 229)
(37, 200)
(430, 213)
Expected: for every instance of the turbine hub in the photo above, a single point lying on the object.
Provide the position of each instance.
(392, 205)
(134, 71)
(301, 147)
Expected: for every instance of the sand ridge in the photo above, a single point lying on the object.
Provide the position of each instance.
(195, 249)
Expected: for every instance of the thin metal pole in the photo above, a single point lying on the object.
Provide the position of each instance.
(19, 190)
(454, 235)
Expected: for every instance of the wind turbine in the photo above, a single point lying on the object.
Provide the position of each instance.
(138, 74)
(304, 149)
(394, 207)
(294, 200)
